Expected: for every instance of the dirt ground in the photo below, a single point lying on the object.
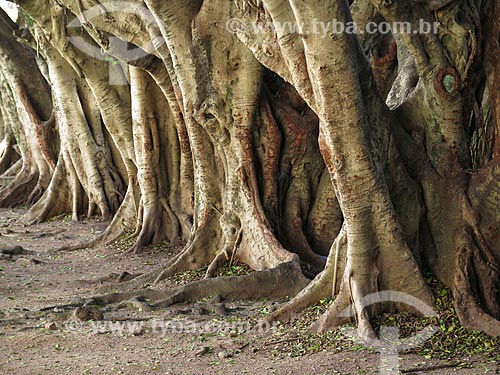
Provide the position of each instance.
(183, 339)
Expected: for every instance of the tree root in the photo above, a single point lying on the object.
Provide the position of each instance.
(52, 202)
(156, 224)
(301, 247)
(352, 292)
(325, 217)
(468, 309)
(286, 280)
(187, 259)
(193, 256)
(14, 169)
(219, 261)
(223, 257)
(119, 297)
(196, 253)
(122, 223)
(16, 250)
(332, 317)
(134, 303)
(320, 287)
(8, 158)
(350, 296)
(17, 191)
(112, 277)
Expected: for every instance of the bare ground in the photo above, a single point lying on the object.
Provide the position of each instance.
(183, 339)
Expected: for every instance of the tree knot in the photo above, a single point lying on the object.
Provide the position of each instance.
(447, 82)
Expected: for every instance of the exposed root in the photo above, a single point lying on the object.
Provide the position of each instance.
(351, 295)
(136, 282)
(340, 247)
(17, 191)
(196, 253)
(112, 277)
(223, 257)
(8, 158)
(87, 312)
(135, 304)
(139, 294)
(36, 193)
(301, 247)
(486, 284)
(193, 256)
(14, 169)
(187, 260)
(125, 276)
(472, 218)
(122, 222)
(332, 317)
(219, 261)
(156, 223)
(325, 217)
(320, 287)
(15, 250)
(52, 203)
(468, 309)
(286, 280)
(349, 298)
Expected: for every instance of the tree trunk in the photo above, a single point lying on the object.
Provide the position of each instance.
(361, 159)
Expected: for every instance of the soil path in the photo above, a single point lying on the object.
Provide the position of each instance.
(184, 339)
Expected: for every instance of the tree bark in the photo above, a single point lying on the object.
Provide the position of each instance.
(361, 159)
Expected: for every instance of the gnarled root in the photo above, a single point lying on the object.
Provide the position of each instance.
(52, 202)
(16, 192)
(349, 296)
(194, 255)
(8, 158)
(355, 288)
(286, 280)
(468, 308)
(122, 222)
(320, 287)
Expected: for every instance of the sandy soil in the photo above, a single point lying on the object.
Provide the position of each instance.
(183, 339)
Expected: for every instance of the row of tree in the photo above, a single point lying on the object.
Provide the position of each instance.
(359, 160)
